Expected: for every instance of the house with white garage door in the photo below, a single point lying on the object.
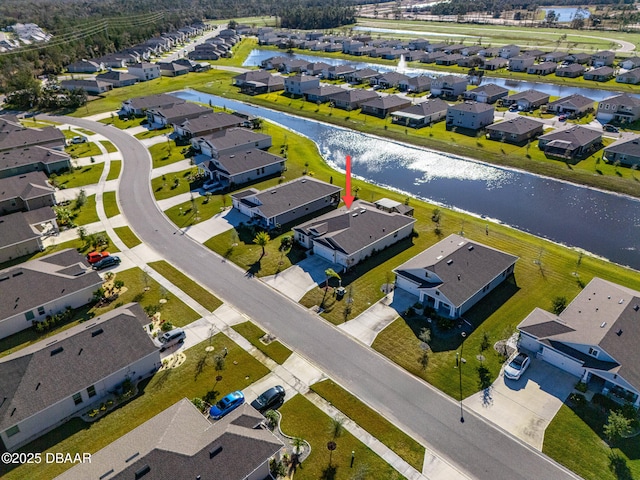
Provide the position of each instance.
(454, 274)
(594, 338)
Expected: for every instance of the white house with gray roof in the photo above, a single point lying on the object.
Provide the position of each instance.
(421, 114)
(625, 152)
(45, 383)
(575, 105)
(469, 115)
(348, 236)
(139, 105)
(242, 167)
(64, 279)
(595, 338)
(208, 123)
(19, 161)
(286, 202)
(623, 108)
(230, 140)
(489, 93)
(527, 100)
(454, 274)
(176, 113)
(181, 443)
(572, 142)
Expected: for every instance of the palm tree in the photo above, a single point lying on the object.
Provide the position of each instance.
(262, 238)
(329, 273)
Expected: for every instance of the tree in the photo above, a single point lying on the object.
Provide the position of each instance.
(199, 403)
(616, 427)
(425, 338)
(329, 273)
(118, 284)
(558, 305)
(262, 238)
(82, 234)
(336, 427)
(81, 199)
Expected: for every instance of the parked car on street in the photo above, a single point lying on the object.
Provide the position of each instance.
(269, 399)
(562, 118)
(610, 128)
(227, 404)
(106, 262)
(517, 366)
(95, 257)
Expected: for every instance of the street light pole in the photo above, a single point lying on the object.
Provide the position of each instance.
(464, 335)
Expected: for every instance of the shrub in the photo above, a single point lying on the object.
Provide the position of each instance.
(445, 323)
(581, 387)
(167, 326)
(578, 399)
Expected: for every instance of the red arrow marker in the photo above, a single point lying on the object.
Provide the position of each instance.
(348, 198)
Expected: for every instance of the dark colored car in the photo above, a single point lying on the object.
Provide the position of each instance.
(227, 404)
(269, 399)
(610, 128)
(107, 262)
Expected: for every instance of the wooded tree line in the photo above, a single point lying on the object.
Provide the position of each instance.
(462, 7)
(328, 15)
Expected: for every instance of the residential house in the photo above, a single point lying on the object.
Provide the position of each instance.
(338, 72)
(621, 108)
(389, 79)
(436, 47)
(489, 93)
(85, 66)
(139, 105)
(352, 99)
(490, 52)
(25, 192)
(364, 75)
(509, 51)
(383, 106)
(362, 51)
(298, 84)
(469, 115)
(544, 68)
(294, 65)
(631, 77)
(349, 46)
(600, 74)
(431, 57)
(527, 100)
(392, 206)
(23, 232)
(518, 130)
(144, 71)
(415, 55)
(205, 124)
(495, 63)
(316, 68)
(92, 87)
(172, 69)
(419, 84)
(230, 140)
(63, 278)
(242, 167)
(205, 51)
(535, 53)
(422, 114)
(449, 59)
(322, 94)
(556, 56)
(266, 84)
(180, 442)
(624, 152)
(574, 142)
(471, 50)
(286, 202)
(604, 58)
(14, 136)
(471, 61)
(574, 105)
(176, 114)
(521, 63)
(454, 274)
(418, 44)
(573, 70)
(117, 60)
(333, 47)
(346, 237)
(593, 338)
(581, 58)
(117, 79)
(381, 52)
(630, 63)
(46, 383)
(23, 160)
(448, 86)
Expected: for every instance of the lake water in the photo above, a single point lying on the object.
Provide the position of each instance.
(258, 55)
(565, 14)
(605, 224)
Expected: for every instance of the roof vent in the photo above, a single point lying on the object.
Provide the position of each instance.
(449, 262)
(603, 324)
(302, 181)
(621, 301)
(215, 451)
(636, 307)
(619, 332)
(470, 247)
(355, 214)
(232, 156)
(17, 274)
(142, 472)
(56, 351)
(97, 332)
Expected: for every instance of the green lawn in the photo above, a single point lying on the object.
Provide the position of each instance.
(79, 150)
(121, 123)
(166, 153)
(80, 176)
(165, 186)
(114, 169)
(127, 236)
(110, 204)
(192, 379)
(153, 133)
(85, 215)
(402, 444)
(275, 350)
(300, 418)
(110, 147)
(187, 285)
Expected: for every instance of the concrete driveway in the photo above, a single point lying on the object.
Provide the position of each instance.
(298, 279)
(525, 407)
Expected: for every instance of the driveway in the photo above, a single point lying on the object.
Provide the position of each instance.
(525, 407)
(298, 279)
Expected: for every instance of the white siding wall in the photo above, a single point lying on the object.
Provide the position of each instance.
(407, 285)
(561, 361)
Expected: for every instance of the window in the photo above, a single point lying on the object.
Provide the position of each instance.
(40, 310)
(593, 352)
(77, 398)
(29, 315)
(91, 391)
(10, 432)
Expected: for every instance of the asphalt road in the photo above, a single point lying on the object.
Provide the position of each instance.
(475, 446)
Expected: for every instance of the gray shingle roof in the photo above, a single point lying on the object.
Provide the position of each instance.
(491, 89)
(154, 101)
(386, 102)
(246, 161)
(211, 121)
(624, 100)
(471, 107)
(574, 136)
(26, 186)
(354, 95)
(47, 137)
(178, 112)
(18, 157)
(233, 137)
(427, 108)
(626, 147)
(44, 373)
(115, 76)
(457, 267)
(15, 229)
(575, 100)
(517, 125)
(529, 95)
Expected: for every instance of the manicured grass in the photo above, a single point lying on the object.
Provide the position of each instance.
(85, 215)
(187, 285)
(116, 121)
(192, 379)
(374, 423)
(80, 176)
(164, 186)
(275, 350)
(110, 204)
(153, 133)
(84, 131)
(87, 149)
(127, 236)
(114, 169)
(110, 147)
(166, 153)
(300, 418)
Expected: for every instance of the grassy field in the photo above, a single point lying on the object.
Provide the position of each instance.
(79, 150)
(187, 285)
(165, 186)
(127, 236)
(86, 214)
(374, 423)
(114, 169)
(275, 350)
(300, 418)
(153, 133)
(192, 379)
(110, 147)
(166, 153)
(80, 176)
(110, 204)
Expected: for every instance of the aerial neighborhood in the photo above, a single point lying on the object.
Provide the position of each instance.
(194, 283)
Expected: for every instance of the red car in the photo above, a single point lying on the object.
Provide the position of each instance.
(94, 257)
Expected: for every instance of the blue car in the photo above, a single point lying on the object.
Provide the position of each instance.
(227, 404)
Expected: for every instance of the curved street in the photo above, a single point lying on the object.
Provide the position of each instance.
(475, 447)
